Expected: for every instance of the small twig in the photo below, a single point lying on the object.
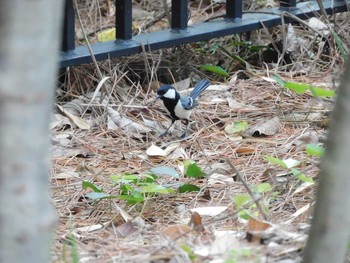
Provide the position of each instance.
(246, 186)
(273, 42)
(284, 31)
(87, 41)
(321, 6)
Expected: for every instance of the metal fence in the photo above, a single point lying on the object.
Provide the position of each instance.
(235, 21)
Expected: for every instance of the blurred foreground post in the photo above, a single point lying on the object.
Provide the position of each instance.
(330, 230)
(29, 46)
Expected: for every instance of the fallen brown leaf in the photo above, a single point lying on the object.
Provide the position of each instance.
(175, 232)
(245, 150)
(126, 229)
(196, 223)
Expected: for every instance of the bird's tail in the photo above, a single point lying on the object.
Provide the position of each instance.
(199, 88)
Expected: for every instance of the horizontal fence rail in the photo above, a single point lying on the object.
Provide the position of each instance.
(235, 21)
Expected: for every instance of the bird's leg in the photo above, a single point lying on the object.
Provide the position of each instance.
(185, 134)
(166, 132)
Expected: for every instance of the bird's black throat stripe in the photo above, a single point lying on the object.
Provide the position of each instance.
(170, 105)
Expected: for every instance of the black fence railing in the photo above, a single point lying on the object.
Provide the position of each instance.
(235, 21)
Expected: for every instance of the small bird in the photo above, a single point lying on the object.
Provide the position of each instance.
(180, 107)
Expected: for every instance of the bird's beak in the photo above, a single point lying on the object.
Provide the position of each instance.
(158, 97)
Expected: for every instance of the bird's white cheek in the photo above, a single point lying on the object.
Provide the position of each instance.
(181, 112)
(170, 94)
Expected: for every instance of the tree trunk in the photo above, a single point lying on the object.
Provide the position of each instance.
(330, 228)
(29, 45)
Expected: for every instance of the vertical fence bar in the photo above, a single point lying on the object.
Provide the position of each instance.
(179, 14)
(234, 9)
(288, 4)
(68, 40)
(123, 19)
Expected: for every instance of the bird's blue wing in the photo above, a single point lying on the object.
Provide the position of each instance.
(199, 88)
(188, 103)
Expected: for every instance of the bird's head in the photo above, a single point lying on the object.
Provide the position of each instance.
(166, 91)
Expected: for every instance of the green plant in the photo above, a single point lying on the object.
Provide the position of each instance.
(192, 171)
(137, 188)
(246, 50)
(238, 52)
(311, 149)
(214, 69)
(291, 164)
(302, 88)
(240, 255)
(132, 188)
(73, 256)
(74, 249)
(314, 150)
(339, 45)
(189, 252)
(243, 200)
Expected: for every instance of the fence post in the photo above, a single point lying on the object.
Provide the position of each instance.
(179, 14)
(234, 9)
(123, 19)
(68, 40)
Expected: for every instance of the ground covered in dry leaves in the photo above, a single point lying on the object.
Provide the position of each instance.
(96, 154)
(246, 208)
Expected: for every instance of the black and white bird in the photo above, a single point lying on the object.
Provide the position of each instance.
(180, 107)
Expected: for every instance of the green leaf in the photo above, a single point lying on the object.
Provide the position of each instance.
(321, 92)
(215, 69)
(165, 170)
(130, 177)
(132, 199)
(156, 188)
(244, 215)
(300, 88)
(186, 188)
(86, 184)
(236, 127)
(188, 250)
(301, 176)
(263, 188)
(280, 81)
(241, 200)
(74, 248)
(339, 44)
(187, 163)
(258, 48)
(315, 150)
(125, 178)
(238, 58)
(195, 171)
(126, 189)
(147, 178)
(274, 160)
(287, 163)
(98, 196)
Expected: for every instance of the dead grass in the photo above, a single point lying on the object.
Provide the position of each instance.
(97, 153)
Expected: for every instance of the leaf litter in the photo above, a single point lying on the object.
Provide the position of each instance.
(119, 151)
(89, 148)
